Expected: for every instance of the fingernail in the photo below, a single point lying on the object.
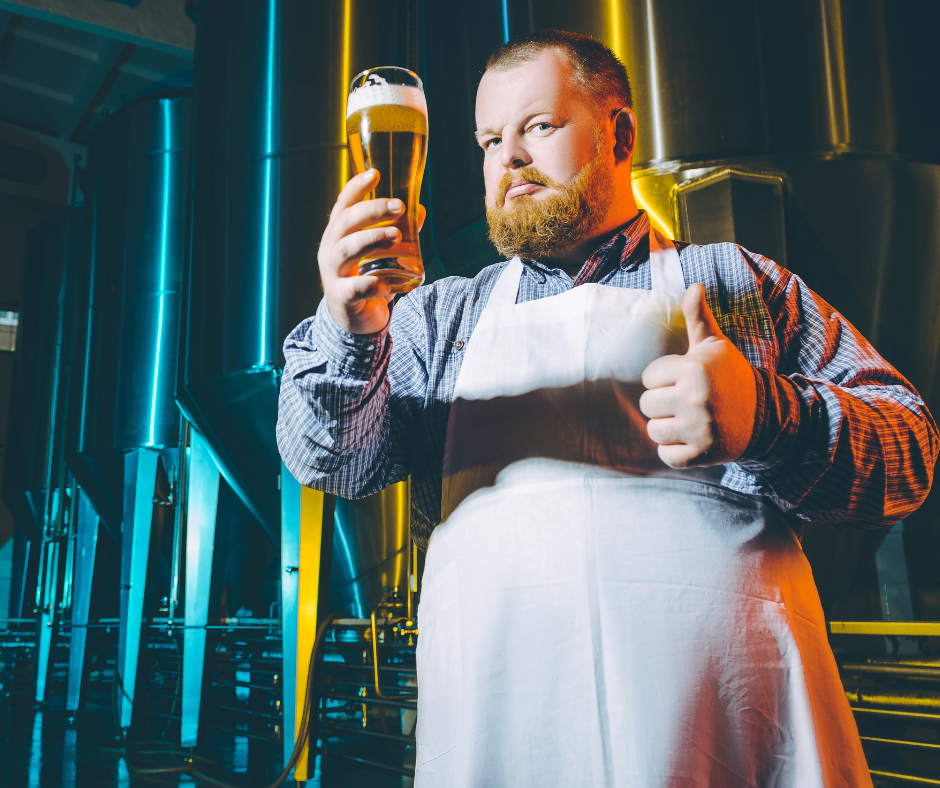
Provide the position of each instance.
(395, 205)
(392, 232)
(367, 175)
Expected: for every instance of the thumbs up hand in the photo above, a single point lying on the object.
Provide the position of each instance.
(701, 406)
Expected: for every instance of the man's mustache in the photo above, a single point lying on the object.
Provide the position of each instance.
(527, 174)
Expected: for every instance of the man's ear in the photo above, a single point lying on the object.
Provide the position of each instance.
(624, 133)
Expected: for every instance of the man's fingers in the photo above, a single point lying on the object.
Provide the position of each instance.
(349, 250)
(666, 431)
(659, 403)
(680, 455)
(355, 190)
(366, 214)
(353, 289)
(664, 371)
(422, 215)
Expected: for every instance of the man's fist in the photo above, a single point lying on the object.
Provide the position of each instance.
(700, 406)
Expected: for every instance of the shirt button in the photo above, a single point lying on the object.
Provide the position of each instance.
(370, 347)
(459, 344)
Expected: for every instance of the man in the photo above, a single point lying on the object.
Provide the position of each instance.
(612, 593)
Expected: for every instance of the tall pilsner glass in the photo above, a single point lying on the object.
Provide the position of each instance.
(387, 128)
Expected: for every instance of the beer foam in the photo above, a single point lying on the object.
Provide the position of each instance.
(371, 95)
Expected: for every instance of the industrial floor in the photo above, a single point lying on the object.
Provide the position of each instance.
(41, 748)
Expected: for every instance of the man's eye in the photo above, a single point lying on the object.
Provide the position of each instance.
(541, 126)
(490, 142)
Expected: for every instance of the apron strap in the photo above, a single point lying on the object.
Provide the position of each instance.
(665, 267)
(507, 286)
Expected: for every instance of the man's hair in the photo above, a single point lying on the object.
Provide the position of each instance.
(596, 68)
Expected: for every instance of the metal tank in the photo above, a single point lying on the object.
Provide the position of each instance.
(798, 131)
(271, 81)
(127, 424)
(135, 226)
(39, 392)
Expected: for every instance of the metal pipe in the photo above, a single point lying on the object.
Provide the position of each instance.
(387, 668)
(370, 701)
(366, 732)
(904, 778)
(247, 735)
(892, 670)
(244, 684)
(250, 713)
(912, 715)
(917, 745)
(910, 700)
(375, 657)
(397, 769)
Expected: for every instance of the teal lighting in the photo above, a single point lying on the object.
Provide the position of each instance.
(165, 227)
(268, 175)
(338, 526)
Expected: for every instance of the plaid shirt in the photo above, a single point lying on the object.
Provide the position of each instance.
(840, 436)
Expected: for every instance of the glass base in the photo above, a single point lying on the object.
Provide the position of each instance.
(399, 278)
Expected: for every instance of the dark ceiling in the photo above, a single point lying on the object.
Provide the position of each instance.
(56, 80)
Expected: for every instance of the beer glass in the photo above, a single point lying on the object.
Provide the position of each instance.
(387, 129)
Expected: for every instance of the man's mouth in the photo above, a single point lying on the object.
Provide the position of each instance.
(518, 188)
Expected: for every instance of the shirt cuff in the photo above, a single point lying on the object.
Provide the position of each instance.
(776, 422)
(353, 354)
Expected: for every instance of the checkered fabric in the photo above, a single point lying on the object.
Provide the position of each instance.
(840, 436)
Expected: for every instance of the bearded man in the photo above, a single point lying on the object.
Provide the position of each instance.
(612, 440)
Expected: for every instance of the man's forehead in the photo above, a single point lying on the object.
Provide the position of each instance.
(542, 84)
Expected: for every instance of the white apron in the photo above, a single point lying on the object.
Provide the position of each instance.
(590, 617)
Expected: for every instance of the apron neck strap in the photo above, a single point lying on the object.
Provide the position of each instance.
(665, 272)
(507, 286)
(665, 267)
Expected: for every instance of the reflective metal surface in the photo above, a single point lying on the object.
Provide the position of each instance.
(38, 397)
(370, 550)
(133, 249)
(271, 80)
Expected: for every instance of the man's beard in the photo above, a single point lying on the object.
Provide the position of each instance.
(538, 229)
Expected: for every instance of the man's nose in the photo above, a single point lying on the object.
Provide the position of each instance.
(512, 152)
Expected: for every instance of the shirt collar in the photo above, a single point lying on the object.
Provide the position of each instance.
(618, 249)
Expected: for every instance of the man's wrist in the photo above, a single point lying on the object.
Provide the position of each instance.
(776, 421)
(356, 354)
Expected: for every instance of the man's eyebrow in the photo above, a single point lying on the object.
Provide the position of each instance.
(483, 132)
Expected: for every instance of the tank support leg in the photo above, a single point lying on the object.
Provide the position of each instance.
(85, 549)
(306, 552)
(202, 507)
(46, 623)
(140, 475)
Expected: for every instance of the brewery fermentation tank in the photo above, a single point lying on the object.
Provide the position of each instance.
(271, 80)
(796, 130)
(124, 394)
(36, 431)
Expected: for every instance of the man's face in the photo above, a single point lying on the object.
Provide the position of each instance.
(547, 165)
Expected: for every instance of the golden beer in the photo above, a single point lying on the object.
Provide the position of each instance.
(387, 129)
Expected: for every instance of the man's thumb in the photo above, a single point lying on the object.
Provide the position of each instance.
(699, 320)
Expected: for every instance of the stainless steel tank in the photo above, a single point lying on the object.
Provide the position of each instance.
(135, 229)
(800, 130)
(270, 158)
(39, 392)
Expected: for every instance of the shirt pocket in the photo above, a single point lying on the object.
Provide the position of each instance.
(753, 336)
